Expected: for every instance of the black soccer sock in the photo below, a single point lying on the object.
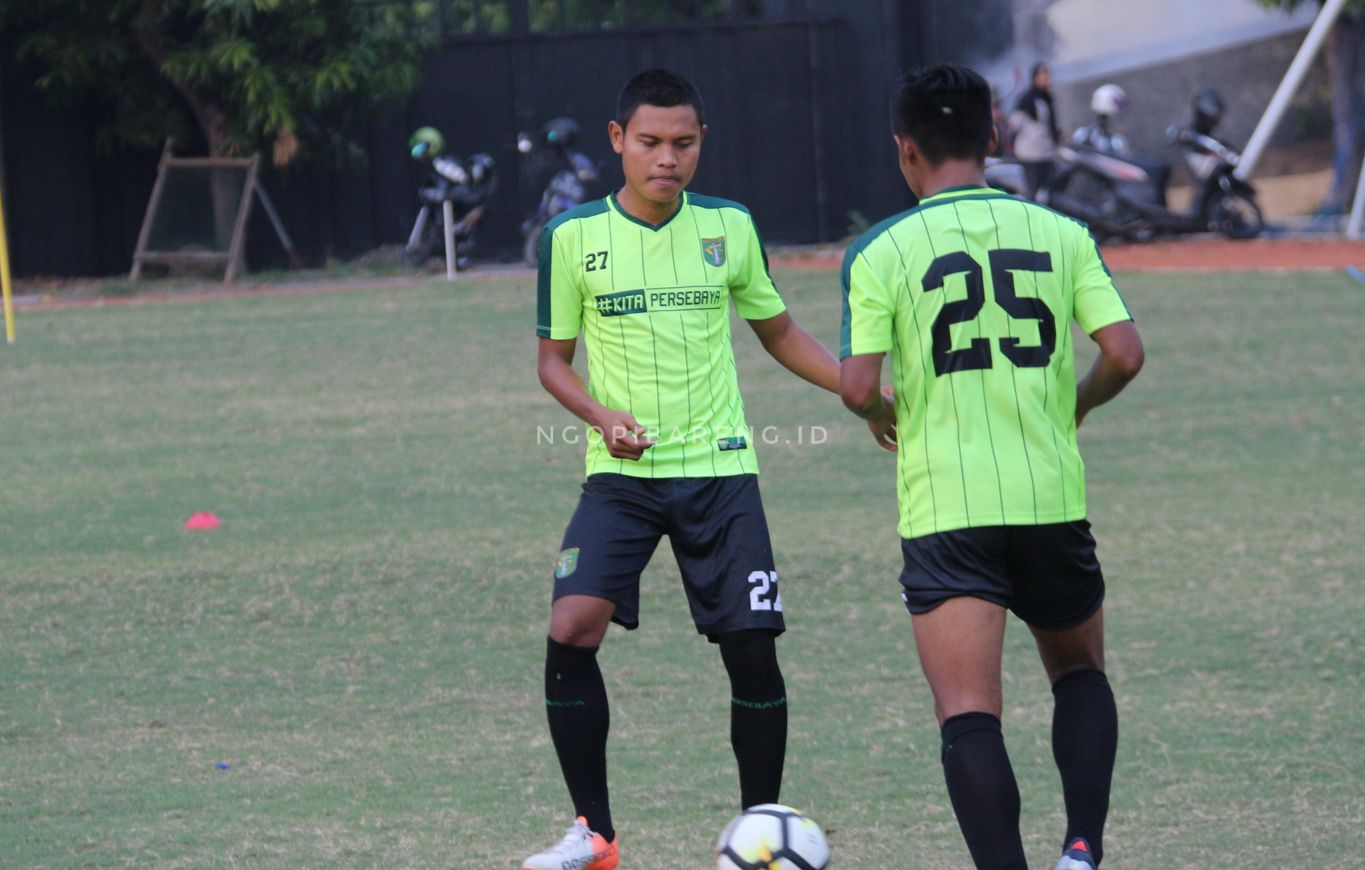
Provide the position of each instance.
(982, 788)
(758, 714)
(576, 701)
(1085, 737)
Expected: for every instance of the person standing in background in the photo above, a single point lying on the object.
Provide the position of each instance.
(1034, 124)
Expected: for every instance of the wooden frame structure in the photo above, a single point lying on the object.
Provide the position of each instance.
(232, 259)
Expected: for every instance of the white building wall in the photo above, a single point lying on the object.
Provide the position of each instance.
(1100, 37)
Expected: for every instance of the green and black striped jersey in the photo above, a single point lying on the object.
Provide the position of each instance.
(973, 293)
(652, 303)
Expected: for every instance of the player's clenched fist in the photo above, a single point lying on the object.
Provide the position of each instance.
(623, 435)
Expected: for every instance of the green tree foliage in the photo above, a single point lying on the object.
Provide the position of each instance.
(290, 76)
(606, 14)
(1345, 57)
(1355, 7)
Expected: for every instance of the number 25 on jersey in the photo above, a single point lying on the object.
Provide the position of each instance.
(1004, 263)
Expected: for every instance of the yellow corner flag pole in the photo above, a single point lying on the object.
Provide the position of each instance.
(4, 276)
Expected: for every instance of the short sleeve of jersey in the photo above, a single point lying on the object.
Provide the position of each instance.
(1098, 303)
(752, 288)
(559, 300)
(867, 325)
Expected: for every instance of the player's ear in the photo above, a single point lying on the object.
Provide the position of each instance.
(702, 137)
(617, 135)
(905, 148)
(994, 144)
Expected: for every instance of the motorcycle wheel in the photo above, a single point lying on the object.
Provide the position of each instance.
(530, 250)
(1236, 216)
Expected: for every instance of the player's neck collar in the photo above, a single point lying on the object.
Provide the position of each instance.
(961, 188)
(616, 206)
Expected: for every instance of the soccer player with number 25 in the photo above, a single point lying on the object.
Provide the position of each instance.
(973, 293)
(647, 276)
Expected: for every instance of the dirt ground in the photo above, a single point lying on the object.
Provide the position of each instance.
(1213, 254)
(1184, 255)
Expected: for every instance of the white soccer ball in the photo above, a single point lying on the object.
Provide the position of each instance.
(772, 837)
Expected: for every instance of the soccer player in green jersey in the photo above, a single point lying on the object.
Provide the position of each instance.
(647, 276)
(972, 293)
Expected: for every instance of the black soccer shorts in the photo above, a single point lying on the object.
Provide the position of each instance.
(719, 536)
(1047, 575)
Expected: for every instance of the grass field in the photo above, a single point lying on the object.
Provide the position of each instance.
(361, 642)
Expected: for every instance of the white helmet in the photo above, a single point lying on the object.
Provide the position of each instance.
(1108, 100)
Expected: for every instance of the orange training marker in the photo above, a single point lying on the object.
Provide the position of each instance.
(201, 521)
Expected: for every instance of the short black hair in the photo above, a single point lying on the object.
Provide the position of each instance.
(657, 87)
(947, 111)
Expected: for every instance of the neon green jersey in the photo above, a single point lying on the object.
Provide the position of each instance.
(973, 293)
(652, 303)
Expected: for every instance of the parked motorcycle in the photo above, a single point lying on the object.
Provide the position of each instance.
(1125, 197)
(466, 184)
(1107, 102)
(1007, 176)
(566, 188)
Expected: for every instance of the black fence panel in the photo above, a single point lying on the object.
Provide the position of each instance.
(769, 118)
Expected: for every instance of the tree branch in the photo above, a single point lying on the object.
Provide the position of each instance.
(213, 121)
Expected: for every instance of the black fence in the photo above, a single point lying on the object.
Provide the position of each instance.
(775, 119)
(796, 108)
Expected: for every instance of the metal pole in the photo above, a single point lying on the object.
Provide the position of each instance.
(817, 124)
(5, 289)
(1357, 208)
(448, 211)
(1279, 103)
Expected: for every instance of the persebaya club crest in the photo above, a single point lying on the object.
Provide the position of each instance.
(714, 251)
(567, 563)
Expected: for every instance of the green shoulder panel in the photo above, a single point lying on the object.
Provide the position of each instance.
(545, 251)
(701, 200)
(860, 244)
(857, 247)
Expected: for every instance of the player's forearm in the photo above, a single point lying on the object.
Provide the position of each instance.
(873, 407)
(858, 387)
(1121, 358)
(561, 381)
(860, 379)
(806, 358)
(865, 399)
(1104, 381)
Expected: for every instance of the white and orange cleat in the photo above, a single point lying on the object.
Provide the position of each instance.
(1076, 857)
(581, 849)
